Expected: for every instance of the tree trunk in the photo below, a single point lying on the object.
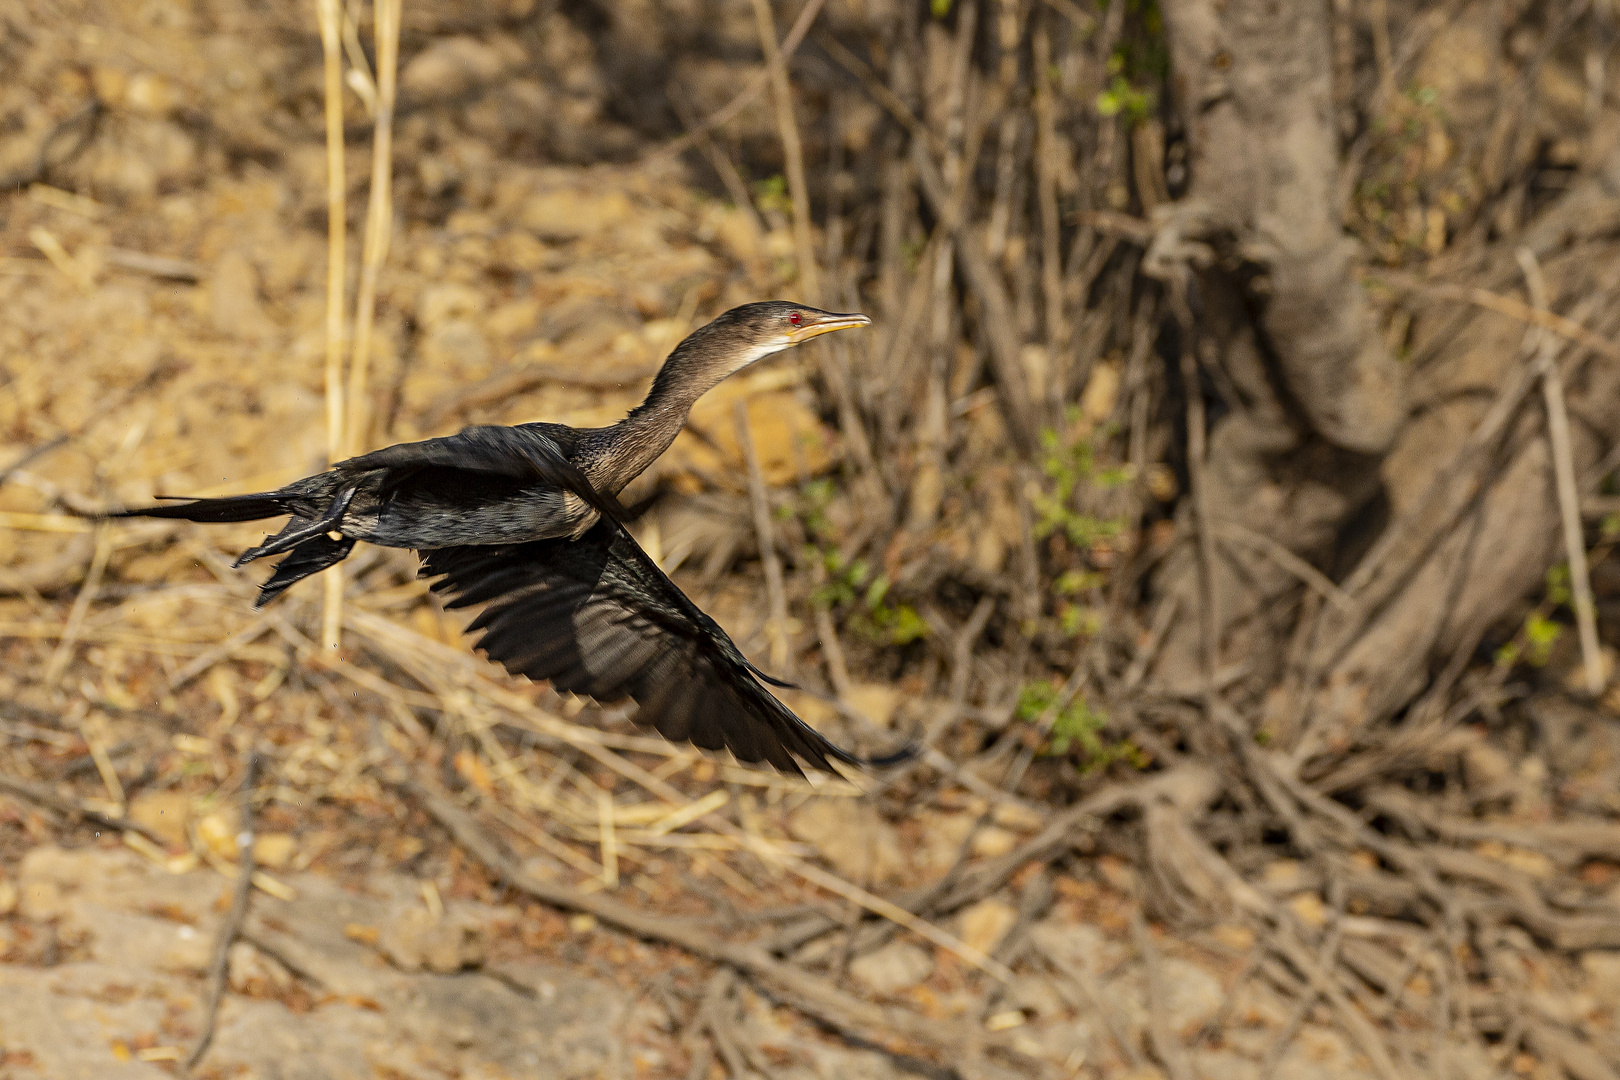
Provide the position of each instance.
(1322, 428)
(1314, 397)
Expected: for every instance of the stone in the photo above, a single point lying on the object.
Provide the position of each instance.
(786, 432)
(1017, 817)
(165, 813)
(414, 940)
(875, 701)
(1309, 908)
(151, 94)
(857, 843)
(62, 1022)
(1525, 860)
(40, 900)
(1484, 767)
(1037, 995)
(1066, 1041)
(897, 966)
(566, 215)
(129, 939)
(1234, 936)
(459, 346)
(1283, 875)
(1602, 967)
(1101, 393)
(451, 67)
(217, 833)
(445, 300)
(940, 839)
(1193, 997)
(993, 841)
(984, 924)
(1078, 944)
(274, 850)
(255, 973)
(233, 298)
(1321, 1053)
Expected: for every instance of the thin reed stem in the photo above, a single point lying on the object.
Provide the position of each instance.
(792, 154)
(336, 241)
(379, 222)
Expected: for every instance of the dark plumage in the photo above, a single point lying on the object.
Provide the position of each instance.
(596, 616)
(525, 519)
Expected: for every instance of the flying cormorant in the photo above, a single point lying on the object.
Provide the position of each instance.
(525, 520)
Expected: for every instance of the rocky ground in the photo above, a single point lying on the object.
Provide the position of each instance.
(106, 952)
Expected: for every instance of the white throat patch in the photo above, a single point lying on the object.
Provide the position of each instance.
(760, 352)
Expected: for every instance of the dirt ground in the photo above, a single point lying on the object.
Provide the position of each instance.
(162, 278)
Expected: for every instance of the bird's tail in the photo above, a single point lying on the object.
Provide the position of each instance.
(230, 508)
(310, 557)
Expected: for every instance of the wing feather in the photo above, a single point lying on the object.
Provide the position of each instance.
(597, 617)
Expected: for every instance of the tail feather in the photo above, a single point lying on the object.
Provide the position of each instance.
(263, 504)
(310, 557)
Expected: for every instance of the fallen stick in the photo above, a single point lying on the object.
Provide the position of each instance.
(1502, 305)
(809, 283)
(30, 456)
(218, 970)
(1166, 1046)
(1060, 833)
(746, 95)
(1569, 502)
(882, 1026)
(777, 628)
(40, 795)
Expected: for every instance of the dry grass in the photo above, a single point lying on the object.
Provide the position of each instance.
(170, 331)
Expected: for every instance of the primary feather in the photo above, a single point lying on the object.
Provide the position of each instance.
(596, 616)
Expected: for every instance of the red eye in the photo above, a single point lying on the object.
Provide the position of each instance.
(795, 318)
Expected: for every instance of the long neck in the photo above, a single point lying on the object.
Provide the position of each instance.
(636, 442)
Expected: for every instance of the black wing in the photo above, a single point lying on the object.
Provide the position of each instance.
(597, 616)
(521, 453)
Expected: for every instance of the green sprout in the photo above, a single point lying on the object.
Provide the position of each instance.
(853, 587)
(1558, 591)
(1539, 632)
(771, 194)
(815, 496)
(1069, 468)
(1123, 98)
(1077, 727)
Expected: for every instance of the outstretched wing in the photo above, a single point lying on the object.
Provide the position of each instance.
(519, 453)
(597, 616)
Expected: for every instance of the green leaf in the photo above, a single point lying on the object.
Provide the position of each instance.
(877, 591)
(1540, 634)
(1558, 590)
(1033, 700)
(906, 625)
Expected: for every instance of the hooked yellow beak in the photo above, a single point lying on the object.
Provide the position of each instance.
(816, 325)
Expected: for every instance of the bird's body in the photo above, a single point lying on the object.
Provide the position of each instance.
(526, 519)
(438, 492)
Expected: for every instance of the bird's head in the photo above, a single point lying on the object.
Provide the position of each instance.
(752, 332)
(735, 339)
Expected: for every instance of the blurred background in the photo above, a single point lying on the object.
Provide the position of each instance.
(1223, 500)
